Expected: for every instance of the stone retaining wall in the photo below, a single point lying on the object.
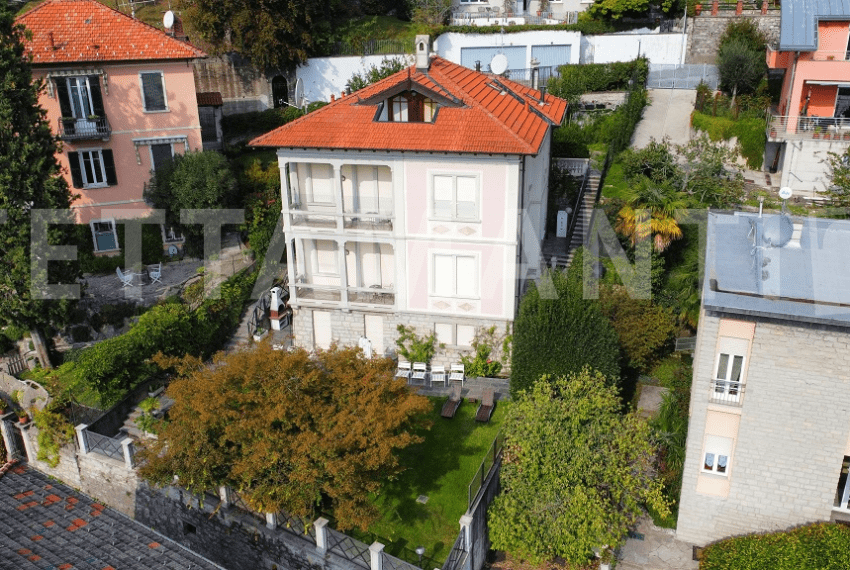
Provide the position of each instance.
(704, 33)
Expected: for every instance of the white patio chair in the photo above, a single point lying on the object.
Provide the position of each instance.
(420, 370)
(438, 374)
(126, 278)
(458, 374)
(155, 273)
(403, 370)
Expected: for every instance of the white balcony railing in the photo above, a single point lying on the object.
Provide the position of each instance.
(726, 392)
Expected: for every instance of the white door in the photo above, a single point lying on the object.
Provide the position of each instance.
(322, 329)
(375, 333)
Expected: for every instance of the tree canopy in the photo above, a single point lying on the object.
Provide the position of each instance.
(558, 332)
(575, 472)
(839, 188)
(287, 430)
(374, 74)
(30, 179)
(272, 34)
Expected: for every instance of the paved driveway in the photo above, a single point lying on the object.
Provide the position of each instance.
(668, 114)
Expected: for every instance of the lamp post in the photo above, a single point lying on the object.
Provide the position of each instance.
(420, 550)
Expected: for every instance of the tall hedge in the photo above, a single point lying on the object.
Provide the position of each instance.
(574, 80)
(558, 332)
(819, 546)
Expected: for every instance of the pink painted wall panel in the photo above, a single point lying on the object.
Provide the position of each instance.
(832, 38)
(128, 121)
(491, 271)
(492, 193)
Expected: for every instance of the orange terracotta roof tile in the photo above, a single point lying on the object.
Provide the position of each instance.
(488, 114)
(70, 31)
(209, 99)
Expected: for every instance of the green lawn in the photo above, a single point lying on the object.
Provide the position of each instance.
(441, 468)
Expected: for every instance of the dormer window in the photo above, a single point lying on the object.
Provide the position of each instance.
(411, 107)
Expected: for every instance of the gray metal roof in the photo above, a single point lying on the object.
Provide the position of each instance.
(767, 266)
(799, 24)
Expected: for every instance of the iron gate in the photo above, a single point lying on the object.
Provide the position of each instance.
(686, 76)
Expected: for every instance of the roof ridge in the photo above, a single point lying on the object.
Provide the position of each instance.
(479, 105)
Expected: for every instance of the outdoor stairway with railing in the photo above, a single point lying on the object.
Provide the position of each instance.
(558, 251)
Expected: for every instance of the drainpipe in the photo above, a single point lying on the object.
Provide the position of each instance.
(519, 241)
(791, 91)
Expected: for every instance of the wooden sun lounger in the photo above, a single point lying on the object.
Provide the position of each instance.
(452, 404)
(485, 408)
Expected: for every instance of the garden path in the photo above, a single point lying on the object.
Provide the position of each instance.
(667, 115)
(654, 548)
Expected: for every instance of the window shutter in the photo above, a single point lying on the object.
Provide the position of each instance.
(76, 173)
(109, 164)
(96, 98)
(64, 100)
(154, 97)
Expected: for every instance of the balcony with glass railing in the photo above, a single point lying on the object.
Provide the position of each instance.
(782, 127)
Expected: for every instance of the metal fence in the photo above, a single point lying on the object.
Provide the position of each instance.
(108, 446)
(457, 555)
(526, 76)
(371, 47)
(484, 469)
(349, 548)
(295, 525)
(390, 562)
(686, 76)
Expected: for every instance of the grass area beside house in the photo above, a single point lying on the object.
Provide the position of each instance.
(440, 468)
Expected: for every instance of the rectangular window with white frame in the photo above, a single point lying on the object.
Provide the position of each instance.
(717, 455)
(154, 99)
(104, 235)
(161, 154)
(455, 275)
(92, 168)
(727, 384)
(455, 197)
(454, 335)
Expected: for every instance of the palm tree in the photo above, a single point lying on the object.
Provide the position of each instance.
(657, 200)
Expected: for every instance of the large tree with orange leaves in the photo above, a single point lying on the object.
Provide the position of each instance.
(288, 430)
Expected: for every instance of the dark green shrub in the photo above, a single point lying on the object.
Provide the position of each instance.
(559, 332)
(818, 546)
(570, 141)
(215, 319)
(81, 333)
(574, 80)
(745, 30)
(258, 121)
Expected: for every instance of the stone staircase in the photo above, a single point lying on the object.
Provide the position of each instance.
(558, 252)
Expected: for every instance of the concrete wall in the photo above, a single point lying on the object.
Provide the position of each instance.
(326, 76)
(789, 434)
(705, 30)
(804, 164)
(658, 48)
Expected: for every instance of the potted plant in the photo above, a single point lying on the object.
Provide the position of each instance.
(697, 9)
(773, 132)
(259, 333)
(846, 135)
(826, 135)
(816, 133)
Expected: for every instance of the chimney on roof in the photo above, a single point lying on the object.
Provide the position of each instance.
(422, 55)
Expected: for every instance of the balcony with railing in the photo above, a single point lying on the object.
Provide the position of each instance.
(375, 295)
(782, 127)
(726, 392)
(92, 128)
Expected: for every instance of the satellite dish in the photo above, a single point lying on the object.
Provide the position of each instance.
(499, 64)
(785, 192)
(300, 100)
(168, 20)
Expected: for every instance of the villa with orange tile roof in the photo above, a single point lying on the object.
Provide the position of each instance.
(120, 94)
(419, 201)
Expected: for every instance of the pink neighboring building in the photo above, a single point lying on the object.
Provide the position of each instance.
(813, 116)
(419, 200)
(121, 96)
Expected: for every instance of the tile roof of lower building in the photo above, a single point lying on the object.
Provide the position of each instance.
(485, 114)
(209, 99)
(47, 525)
(71, 31)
